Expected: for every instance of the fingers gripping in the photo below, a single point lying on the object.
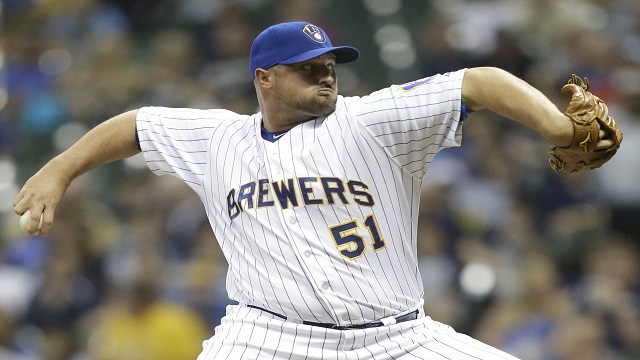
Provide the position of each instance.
(41, 200)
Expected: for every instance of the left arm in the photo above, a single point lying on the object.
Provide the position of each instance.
(505, 94)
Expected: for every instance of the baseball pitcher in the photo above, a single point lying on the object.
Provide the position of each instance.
(314, 199)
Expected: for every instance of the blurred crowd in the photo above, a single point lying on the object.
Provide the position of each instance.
(542, 265)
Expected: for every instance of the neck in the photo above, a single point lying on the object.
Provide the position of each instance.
(278, 115)
(282, 122)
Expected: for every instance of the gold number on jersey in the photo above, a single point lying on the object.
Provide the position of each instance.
(352, 245)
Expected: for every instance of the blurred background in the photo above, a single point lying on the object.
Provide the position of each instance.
(542, 265)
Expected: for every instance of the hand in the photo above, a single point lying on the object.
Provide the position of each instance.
(42, 193)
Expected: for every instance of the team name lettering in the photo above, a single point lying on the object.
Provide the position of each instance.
(302, 191)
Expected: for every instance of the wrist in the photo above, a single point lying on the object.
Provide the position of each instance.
(562, 134)
(63, 168)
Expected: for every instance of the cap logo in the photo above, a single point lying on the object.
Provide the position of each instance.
(314, 33)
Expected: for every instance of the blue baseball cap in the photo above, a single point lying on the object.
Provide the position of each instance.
(294, 42)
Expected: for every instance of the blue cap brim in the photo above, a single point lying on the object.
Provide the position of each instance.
(344, 54)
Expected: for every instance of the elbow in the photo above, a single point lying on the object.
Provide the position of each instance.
(475, 84)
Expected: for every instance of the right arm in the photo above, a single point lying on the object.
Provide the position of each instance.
(503, 93)
(112, 140)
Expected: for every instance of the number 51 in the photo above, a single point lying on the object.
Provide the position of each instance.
(350, 243)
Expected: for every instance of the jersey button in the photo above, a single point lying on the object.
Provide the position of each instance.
(307, 253)
(292, 220)
(345, 317)
(325, 285)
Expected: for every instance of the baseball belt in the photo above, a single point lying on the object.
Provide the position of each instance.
(402, 318)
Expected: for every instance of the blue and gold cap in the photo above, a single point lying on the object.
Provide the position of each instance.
(294, 42)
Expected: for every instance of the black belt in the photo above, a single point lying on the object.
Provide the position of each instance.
(402, 318)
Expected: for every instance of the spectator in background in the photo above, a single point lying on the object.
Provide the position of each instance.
(136, 324)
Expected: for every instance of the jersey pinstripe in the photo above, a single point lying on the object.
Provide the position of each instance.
(320, 225)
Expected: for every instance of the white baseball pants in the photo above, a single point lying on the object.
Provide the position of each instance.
(247, 333)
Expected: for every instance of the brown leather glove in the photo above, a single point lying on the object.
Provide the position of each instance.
(596, 137)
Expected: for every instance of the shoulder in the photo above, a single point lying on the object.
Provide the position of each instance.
(194, 119)
(434, 84)
(189, 113)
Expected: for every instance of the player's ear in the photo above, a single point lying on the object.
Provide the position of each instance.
(263, 77)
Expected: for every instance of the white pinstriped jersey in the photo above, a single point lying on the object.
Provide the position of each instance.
(320, 225)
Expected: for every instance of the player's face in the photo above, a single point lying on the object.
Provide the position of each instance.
(310, 87)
